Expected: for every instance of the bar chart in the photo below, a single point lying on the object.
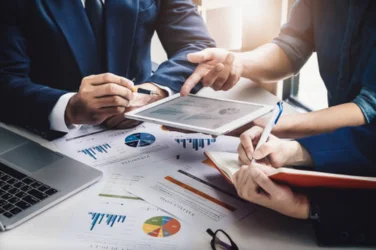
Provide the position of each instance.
(196, 143)
(93, 151)
(111, 219)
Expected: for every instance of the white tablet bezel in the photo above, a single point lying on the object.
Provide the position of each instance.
(219, 131)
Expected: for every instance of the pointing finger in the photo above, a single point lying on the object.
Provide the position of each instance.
(209, 79)
(202, 56)
(193, 80)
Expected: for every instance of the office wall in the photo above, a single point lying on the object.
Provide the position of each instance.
(158, 54)
(225, 26)
(244, 26)
(261, 22)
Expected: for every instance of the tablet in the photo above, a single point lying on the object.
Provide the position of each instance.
(200, 114)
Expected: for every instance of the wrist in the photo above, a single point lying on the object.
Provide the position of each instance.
(303, 207)
(161, 92)
(285, 127)
(243, 62)
(69, 114)
(298, 156)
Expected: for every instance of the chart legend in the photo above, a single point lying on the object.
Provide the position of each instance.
(93, 151)
(139, 140)
(111, 219)
(161, 226)
(196, 143)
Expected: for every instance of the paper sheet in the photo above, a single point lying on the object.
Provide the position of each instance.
(134, 147)
(194, 191)
(167, 169)
(103, 223)
(115, 152)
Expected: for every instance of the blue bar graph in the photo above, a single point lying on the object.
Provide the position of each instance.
(111, 219)
(196, 143)
(92, 152)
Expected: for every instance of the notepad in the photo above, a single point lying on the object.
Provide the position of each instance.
(228, 164)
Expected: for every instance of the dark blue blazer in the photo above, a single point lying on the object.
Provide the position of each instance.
(347, 217)
(47, 47)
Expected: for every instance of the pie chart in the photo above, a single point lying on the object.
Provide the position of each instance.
(161, 226)
(139, 140)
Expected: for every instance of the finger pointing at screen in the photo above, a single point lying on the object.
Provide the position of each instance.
(217, 68)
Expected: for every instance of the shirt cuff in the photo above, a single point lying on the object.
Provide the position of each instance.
(57, 115)
(169, 91)
(366, 100)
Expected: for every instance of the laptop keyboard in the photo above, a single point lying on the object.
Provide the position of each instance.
(19, 192)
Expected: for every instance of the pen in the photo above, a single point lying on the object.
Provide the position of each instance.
(277, 112)
(143, 91)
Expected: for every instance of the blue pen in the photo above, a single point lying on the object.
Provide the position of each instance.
(277, 112)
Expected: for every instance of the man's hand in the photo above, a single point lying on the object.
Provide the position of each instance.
(99, 97)
(278, 152)
(217, 68)
(253, 184)
(139, 100)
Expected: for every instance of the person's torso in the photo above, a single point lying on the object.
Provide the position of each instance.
(62, 47)
(344, 38)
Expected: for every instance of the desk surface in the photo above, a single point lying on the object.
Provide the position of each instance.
(264, 229)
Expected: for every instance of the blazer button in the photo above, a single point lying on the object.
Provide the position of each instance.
(344, 236)
(44, 135)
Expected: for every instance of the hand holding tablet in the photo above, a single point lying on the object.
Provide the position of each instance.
(200, 114)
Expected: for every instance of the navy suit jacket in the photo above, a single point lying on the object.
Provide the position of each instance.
(47, 47)
(347, 217)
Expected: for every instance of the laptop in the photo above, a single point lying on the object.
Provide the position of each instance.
(34, 178)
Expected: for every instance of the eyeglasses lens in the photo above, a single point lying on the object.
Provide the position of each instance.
(222, 242)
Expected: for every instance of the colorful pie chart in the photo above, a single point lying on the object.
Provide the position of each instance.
(161, 226)
(139, 140)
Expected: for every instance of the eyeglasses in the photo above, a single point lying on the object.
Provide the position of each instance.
(221, 240)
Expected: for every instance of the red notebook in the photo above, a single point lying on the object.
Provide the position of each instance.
(228, 164)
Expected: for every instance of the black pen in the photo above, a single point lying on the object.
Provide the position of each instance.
(143, 91)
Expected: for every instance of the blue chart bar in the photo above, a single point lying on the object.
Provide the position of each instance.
(94, 150)
(111, 219)
(196, 143)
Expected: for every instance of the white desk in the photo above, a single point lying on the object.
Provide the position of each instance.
(262, 230)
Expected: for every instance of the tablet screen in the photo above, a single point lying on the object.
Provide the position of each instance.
(200, 112)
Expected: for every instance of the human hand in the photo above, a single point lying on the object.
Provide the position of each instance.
(99, 97)
(139, 100)
(253, 184)
(278, 152)
(217, 68)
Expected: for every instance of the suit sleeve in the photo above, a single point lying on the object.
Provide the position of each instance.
(348, 150)
(346, 217)
(22, 101)
(181, 31)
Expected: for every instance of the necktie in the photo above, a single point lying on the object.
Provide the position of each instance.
(94, 12)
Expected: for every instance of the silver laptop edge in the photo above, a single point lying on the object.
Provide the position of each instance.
(46, 167)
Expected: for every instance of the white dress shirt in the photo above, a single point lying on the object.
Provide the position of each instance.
(57, 115)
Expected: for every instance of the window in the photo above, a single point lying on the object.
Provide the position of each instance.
(306, 91)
